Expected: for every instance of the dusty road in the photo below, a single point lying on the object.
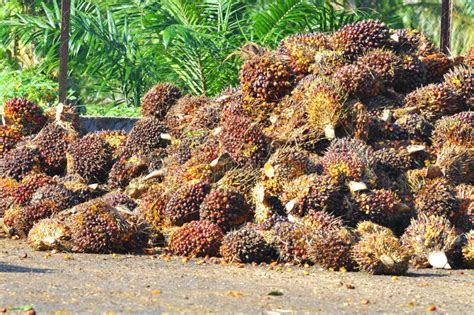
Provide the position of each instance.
(79, 283)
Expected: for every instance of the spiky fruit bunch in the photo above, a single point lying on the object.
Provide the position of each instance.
(327, 62)
(313, 193)
(380, 253)
(245, 142)
(20, 161)
(413, 42)
(378, 206)
(91, 158)
(437, 197)
(184, 204)
(301, 48)
(324, 102)
(355, 38)
(28, 185)
(20, 220)
(461, 81)
(53, 141)
(196, 238)
(348, 159)
(321, 220)
(226, 208)
(246, 245)
(126, 169)
(9, 137)
(457, 163)
(289, 240)
(426, 235)
(152, 208)
(468, 249)
(23, 114)
(437, 65)
(358, 81)
(433, 101)
(411, 127)
(158, 100)
(369, 227)
(383, 62)
(97, 227)
(457, 130)
(146, 135)
(266, 77)
(411, 74)
(465, 195)
(58, 193)
(48, 234)
(331, 248)
(284, 165)
(120, 200)
(392, 161)
(240, 179)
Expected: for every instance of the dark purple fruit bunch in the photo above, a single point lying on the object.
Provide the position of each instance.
(53, 141)
(20, 161)
(226, 208)
(90, 157)
(159, 99)
(355, 38)
(184, 204)
(147, 135)
(97, 227)
(246, 245)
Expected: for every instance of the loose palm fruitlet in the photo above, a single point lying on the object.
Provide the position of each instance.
(330, 148)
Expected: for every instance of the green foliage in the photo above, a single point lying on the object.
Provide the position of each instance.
(37, 87)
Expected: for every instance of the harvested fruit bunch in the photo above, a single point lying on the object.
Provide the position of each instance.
(332, 147)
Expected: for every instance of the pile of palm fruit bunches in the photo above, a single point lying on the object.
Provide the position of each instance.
(349, 151)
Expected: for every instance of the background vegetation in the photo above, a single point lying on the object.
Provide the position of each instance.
(119, 48)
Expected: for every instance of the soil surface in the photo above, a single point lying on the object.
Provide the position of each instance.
(149, 284)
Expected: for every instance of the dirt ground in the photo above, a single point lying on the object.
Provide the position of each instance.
(149, 284)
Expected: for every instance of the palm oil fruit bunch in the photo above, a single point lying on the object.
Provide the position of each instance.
(226, 208)
(196, 239)
(159, 99)
(301, 48)
(378, 251)
(266, 77)
(246, 245)
(331, 147)
(90, 157)
(97, 227)
(24, 115)
(430, 240)
(353, 39)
